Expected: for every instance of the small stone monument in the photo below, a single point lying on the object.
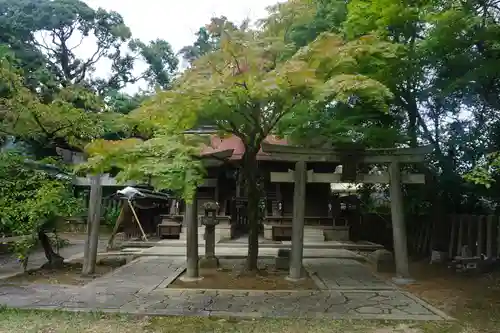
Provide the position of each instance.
(210, 221)
(383, 261)
(282, 261)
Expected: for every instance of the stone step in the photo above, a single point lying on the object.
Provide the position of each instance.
(242, 252)
(201, 234)
(312, 234)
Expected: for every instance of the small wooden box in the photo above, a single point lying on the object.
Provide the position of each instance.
(282, 232)
(169, 229)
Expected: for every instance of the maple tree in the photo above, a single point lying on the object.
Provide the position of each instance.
(245, 88)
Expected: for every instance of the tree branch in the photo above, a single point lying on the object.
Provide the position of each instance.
(79, 43)
(98, 54)
(244, 84)
(39, 123)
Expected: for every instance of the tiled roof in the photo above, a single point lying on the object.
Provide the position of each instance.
(218, 144)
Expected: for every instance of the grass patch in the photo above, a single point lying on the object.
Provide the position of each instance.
(18, 321)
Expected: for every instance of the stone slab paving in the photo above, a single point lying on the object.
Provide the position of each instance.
(333, 273)
(140, 276)
(138, 288)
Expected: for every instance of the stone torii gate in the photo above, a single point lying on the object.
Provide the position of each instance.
(394, 157)
(191, 220)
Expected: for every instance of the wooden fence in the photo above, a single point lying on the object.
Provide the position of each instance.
(108, 203)
(480, 233)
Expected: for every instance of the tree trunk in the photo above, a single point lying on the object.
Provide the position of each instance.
(250, 170)
(54, 260)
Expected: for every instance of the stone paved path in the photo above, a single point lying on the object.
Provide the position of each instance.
(139, 288)
(143, 275)
(343, 274)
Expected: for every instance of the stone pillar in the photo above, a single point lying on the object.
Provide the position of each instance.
(94, 219)
(210, 221)
(398, 225)
(299, 205)
(191, 221)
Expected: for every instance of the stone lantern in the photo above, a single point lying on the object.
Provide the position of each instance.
(209, 220)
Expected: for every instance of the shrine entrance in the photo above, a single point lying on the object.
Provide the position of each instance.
(239, 216)
(351, 159)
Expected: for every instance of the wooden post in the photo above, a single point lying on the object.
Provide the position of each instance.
(398, 224)
(217, 195)
(489, 236)
(191, 218)
(453, 235)
(93, 221)
(460, 239)
(480, 236)
(470, 234)
(239, 181)
(498, 238)
(299, 205)
(125, 212)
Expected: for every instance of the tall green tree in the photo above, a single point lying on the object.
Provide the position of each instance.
(244, 89)
(58, 31)
(25, 116)
(208, 38)
(46, 43)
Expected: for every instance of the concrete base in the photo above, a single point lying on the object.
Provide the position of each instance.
(288, 278)
(209, 262)
(184, 278)
(401, 281)
(303, 276)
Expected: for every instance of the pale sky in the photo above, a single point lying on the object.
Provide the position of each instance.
(176, 21)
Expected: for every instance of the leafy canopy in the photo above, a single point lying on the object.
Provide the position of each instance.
(244, 88)
(167, 162)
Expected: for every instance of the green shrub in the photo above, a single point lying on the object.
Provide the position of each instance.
(31, 201)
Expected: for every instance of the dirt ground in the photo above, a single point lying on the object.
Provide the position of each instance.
(268, 278)
(474, 300)
(70, 274)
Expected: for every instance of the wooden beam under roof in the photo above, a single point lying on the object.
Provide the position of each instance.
(378, 155)
(322, 178)
(216, 158)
